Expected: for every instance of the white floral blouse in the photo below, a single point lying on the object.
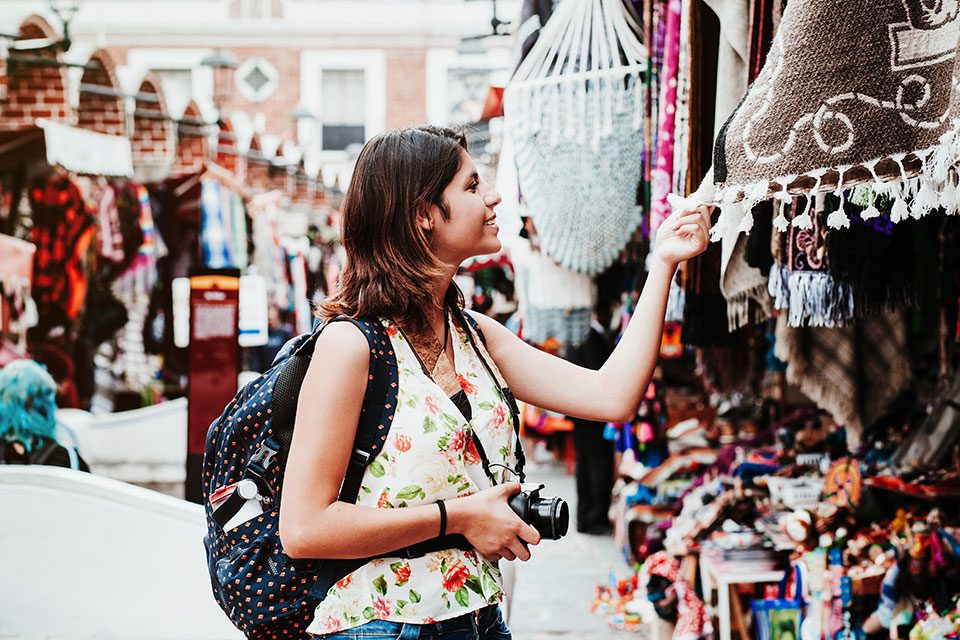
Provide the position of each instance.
(429, 456)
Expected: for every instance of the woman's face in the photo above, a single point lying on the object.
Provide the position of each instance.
(472, 229)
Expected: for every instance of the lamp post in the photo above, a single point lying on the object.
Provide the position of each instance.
(65, 10)
(220, 62)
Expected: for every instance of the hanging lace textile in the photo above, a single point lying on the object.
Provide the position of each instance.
(574, 110)
(851, 93)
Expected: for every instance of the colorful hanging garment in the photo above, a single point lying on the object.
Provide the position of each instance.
(693, 623)
(851, 93)
(662, 174)
(215, 236)
(62, 232)
(110, 238)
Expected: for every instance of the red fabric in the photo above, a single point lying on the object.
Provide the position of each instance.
(63, 229)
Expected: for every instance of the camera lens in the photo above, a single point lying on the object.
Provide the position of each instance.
(551, 517)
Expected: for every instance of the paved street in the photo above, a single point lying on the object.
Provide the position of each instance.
(555, 588)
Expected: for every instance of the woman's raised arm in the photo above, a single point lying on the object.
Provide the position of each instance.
(612, 393)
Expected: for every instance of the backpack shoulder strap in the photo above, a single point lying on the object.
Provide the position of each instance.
(379, 405)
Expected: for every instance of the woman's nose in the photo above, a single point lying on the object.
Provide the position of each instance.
(492, 199)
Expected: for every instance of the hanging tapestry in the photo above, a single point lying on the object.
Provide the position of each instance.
(851, 93)
(575, 109)
(853, 372)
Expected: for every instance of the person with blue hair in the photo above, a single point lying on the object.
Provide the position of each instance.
(28, 418)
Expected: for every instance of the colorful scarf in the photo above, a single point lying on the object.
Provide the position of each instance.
(801, 284)
(662, 173)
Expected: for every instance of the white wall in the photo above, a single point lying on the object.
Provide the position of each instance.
(88, 557)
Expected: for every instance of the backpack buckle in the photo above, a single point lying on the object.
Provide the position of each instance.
(264, 455)
(361, 457)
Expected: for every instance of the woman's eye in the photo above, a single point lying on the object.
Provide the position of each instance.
(473, 186)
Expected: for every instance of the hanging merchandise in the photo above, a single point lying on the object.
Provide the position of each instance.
(215, 235)
(803, 285)
(62, 233)
(847, 96)
(575, 111)
(661, 175)
(554, 302)
(853, 372)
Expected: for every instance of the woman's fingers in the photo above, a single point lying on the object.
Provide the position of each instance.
(508, 554)
(691, 229)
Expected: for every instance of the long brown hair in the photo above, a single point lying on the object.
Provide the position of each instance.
(390, 267)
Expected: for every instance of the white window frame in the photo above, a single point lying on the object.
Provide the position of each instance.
(439, 63)
(140, 61)
(374, 65)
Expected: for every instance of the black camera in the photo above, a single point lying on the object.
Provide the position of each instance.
(549, 516)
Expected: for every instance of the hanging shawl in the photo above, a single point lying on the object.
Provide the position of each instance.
(852, 92)
(574, 110)
(853, 372)
(692, 619)
(802, 284)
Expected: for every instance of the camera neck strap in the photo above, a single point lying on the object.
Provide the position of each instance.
(506, 395)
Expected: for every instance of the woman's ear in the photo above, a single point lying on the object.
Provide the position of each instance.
(425, 219)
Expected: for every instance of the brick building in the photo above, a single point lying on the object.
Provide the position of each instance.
(347, 68)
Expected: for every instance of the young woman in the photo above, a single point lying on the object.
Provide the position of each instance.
(415, 210)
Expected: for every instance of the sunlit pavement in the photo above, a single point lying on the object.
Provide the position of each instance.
(555, 588)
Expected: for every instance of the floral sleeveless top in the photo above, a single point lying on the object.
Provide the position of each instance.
(429, 455)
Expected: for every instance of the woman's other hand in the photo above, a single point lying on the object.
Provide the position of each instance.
(684, 235)
(490, 525)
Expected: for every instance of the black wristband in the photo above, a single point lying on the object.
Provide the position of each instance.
(443, 517)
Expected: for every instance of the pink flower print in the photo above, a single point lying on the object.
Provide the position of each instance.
(331, 624)
(382, 608)
(431, 404)
(403, 443)
(384, 501)
(499, 416)
(391, 330)
(344, 582)
(468, 387)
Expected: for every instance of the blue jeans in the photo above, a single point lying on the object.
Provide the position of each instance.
(487, 625)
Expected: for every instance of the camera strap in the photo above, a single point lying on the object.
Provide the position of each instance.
(506, 395)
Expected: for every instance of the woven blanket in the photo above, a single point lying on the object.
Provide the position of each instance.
(852, 92)
(853, 372)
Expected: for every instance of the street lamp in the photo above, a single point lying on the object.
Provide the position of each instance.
(220, 62)
(65, 10)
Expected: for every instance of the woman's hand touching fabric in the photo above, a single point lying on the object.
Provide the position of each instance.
(684, 235)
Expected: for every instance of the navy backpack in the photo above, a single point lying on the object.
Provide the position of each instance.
(265, 593)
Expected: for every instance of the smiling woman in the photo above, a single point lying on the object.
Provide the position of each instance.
(434, 486)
